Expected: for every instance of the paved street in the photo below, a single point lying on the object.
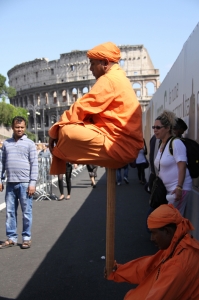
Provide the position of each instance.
(68, 241)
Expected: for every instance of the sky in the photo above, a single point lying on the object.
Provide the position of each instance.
(32, 29)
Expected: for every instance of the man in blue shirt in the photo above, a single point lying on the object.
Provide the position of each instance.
(20, 162)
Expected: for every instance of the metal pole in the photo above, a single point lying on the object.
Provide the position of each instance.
(35, 119)
(44, 125)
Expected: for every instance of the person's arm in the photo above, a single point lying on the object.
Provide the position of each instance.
(180, 156)
(181, 176)
(132, 272)
(2, 167)
(33, 160)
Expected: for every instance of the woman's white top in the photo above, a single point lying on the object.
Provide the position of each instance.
(168, 166)
(141, 157)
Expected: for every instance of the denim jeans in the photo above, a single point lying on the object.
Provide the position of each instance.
(15, 193)
(119, 174)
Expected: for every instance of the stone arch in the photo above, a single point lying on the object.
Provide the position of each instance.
(31, 99)
(38, 99)
(64, 96)
(74, 94)
(150, 88)
(85, 90)
(137, 88)
(50, 97)
(46, 98)
(121, 62)
(54, 97)
(25, 101)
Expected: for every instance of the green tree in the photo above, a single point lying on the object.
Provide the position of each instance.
(8, 112)
(22, 112)
(6, 91)
(30, 135)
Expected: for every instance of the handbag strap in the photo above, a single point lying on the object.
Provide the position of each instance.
(163, 151)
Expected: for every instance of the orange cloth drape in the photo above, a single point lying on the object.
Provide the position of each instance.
(175, 278)
(107, 125)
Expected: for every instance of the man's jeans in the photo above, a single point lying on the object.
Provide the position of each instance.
(119, 175)
(15, 193)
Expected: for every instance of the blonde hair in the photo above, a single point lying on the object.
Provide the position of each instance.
(167, 119)
(39, 146)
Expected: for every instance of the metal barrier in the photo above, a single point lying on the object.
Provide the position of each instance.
(46, 181)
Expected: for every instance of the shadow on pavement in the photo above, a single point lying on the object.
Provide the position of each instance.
(73, 268)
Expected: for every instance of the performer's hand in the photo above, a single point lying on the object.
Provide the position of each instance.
(114, 266)
(52, 143)
(113, 270)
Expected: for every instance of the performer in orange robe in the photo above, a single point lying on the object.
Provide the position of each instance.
(173, 272)
(104, 127)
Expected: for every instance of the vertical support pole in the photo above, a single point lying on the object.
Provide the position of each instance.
(110, 220)
(35, 119)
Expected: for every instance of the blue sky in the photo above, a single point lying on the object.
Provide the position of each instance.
(32, 29)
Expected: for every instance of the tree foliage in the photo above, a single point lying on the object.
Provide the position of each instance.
(8, 112)
(6, 91)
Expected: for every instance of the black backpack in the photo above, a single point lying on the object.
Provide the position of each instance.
(192, 155)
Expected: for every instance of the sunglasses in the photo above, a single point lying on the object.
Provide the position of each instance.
(157, 127)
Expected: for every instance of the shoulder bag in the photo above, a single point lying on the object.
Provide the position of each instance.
(158, 192)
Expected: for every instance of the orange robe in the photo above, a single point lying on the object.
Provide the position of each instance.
(175, 279)
(104, 127)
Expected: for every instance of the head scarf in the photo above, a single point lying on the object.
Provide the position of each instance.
(166, 214)
(107, 50)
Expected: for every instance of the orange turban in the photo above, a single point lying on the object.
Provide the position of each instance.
(107, 50)
(166, 214)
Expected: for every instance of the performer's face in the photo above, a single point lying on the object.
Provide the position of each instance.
(97, 67)
(162, 237)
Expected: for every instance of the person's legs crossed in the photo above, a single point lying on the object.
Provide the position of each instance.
(11, 200)
(26, 207)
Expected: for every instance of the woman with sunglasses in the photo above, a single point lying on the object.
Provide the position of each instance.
(172, 168)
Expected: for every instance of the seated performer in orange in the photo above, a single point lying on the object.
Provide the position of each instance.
(104, 127)
(173, 272)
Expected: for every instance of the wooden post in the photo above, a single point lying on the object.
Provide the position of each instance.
(110, 220)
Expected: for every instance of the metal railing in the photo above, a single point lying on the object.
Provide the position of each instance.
(46, 181)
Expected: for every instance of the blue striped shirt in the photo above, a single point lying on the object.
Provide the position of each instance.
(19, 160)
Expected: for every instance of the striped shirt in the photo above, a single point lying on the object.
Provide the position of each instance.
(19, 160)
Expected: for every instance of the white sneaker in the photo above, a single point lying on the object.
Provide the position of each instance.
(126, 180)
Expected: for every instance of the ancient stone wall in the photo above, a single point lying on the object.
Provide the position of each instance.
(47, 88)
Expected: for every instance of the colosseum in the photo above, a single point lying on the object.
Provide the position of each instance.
(47, 88)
